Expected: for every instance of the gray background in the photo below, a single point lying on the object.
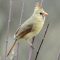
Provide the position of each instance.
(51, 46)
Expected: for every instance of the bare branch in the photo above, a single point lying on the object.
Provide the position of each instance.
(9, 20)
(30, 52)
(41, 2)
(19, 26)
(21, 13)
(42, 42)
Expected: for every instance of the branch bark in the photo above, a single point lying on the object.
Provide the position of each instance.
(42, 41)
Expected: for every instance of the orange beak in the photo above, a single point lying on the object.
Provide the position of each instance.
(45, 14)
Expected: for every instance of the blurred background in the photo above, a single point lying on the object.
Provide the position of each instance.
(51, 46)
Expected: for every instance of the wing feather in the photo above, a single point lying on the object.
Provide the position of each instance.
(21, 32)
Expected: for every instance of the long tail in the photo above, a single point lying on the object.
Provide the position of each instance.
(12, 47)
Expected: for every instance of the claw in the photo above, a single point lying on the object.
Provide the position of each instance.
(32, 47)
(30, 44)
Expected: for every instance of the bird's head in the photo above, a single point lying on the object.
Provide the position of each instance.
(39, 11)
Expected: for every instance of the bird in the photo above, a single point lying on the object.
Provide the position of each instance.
(32, 26)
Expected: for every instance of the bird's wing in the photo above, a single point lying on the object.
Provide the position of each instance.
(22, 31)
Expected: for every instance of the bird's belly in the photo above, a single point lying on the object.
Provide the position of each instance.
(38, 26)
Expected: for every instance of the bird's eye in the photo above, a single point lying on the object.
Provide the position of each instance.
(41, 13)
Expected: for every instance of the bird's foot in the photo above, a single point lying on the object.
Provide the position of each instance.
(31, 45)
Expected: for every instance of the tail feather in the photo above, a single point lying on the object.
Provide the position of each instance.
(12, 47)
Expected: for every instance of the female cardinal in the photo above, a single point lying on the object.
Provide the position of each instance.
(32, 26)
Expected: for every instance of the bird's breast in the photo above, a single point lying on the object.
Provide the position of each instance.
(38, 26)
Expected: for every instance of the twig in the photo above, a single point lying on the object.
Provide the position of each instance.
(18, 51)
(9, 20)
(30, 52)
(59, 56)
(21, 13)
(19, 26)
(41, 2)
(6, 50)
(42, 42)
